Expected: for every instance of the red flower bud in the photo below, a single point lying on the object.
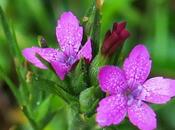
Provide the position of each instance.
(115, 38)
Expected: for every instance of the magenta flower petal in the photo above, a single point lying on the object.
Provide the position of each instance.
(111, 110)
(69, 33)
(172, 87)
(49, 54)
(86, 51)
(131, 83)
(29, 54)
(61, 69)
(137, 66)
(158, 90)
(142, 116)
(112, 79)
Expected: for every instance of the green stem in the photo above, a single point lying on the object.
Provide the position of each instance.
(10, 35)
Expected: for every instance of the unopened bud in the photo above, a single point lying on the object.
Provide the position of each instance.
(114, 39)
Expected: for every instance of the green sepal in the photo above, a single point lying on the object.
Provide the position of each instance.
(98, 62)
(89, 99)
(78, 77)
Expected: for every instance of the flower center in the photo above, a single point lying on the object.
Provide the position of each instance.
(70, 60)
(133, 94)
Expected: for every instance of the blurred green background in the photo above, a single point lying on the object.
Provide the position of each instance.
(149, 21)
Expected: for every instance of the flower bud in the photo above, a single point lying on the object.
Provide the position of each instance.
(115, 38)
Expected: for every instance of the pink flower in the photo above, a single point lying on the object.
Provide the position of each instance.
(69, 35)
(128, 91)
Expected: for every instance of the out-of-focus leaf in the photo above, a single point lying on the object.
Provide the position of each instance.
(5, 58)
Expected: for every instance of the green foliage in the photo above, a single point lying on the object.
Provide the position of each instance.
(79, 77)
(50, 103)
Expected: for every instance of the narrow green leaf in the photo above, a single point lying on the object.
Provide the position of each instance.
(52, 87)
(10, 36)
(14, 49)
(96, 31)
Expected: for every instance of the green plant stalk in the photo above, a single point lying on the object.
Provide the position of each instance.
(18, 59)
(92, 25)
(95, 34)
(14, 49)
